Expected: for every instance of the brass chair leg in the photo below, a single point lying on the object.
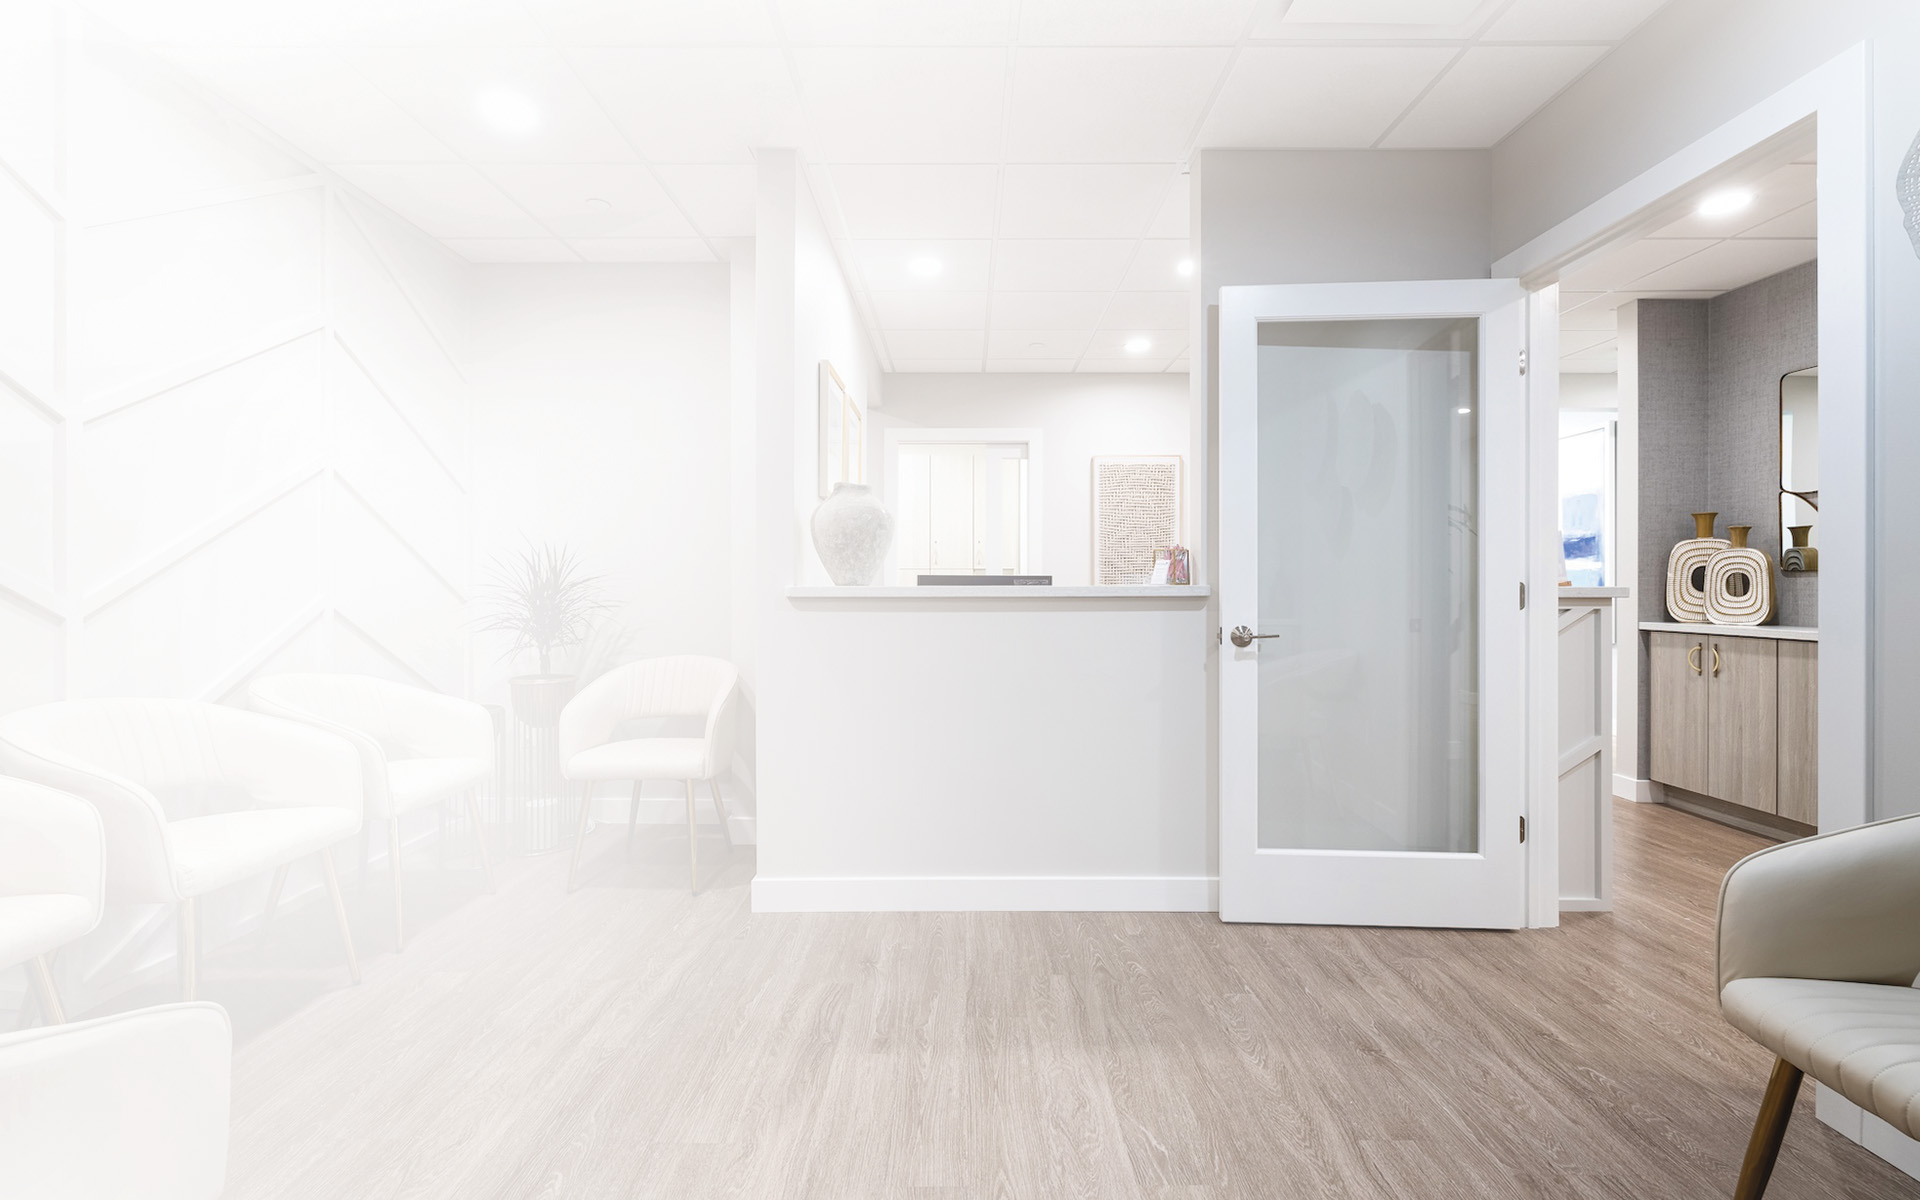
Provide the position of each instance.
(693, 845)
(480, 836)
(580, 834)
(1769, 1130)
(720, 807)
(187, 930)
(393, 860)
(340, 913)
(49, 996)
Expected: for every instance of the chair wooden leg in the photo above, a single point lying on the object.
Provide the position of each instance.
(633, 816)
(720, 807)
(42, 972)
(693, 845)
(273, 901)
(480, 836)
(580, 834)
(1769, 1130)
(340, 913)
(393, 860)
(187, 930)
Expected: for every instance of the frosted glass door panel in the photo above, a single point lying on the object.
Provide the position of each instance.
(1368, 527)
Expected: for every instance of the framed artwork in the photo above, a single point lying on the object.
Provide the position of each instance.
(1136, 514)
(843, 433)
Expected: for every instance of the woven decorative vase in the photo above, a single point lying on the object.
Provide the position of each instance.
(1800, 557)
(1687, 570)
(1740, 583)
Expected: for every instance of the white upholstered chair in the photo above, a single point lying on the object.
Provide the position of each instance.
(417, 748)
(194, 797)
(685, 685)
(129, 1105)
(51, 879)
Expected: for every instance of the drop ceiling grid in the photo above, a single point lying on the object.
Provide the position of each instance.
(1162, 64)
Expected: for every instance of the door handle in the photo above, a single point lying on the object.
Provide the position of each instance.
(1244, 637)
(1716, 662)
(1693, 658)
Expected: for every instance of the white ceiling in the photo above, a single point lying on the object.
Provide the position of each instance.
(1033, 147)
(1694, 258)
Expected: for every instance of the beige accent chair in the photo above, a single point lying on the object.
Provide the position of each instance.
(132, 1105)
(1819, 954)
(194, 797)
(51, 879)
(417, 749)
(685, 685)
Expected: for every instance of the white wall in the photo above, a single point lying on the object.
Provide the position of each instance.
(1589, 392)
(233, 428)
(1079, 416)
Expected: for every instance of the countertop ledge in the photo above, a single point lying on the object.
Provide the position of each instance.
(1197, 591)
(1779, 633)
(1592, 593)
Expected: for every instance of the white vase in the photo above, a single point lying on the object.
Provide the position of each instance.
(852, 531)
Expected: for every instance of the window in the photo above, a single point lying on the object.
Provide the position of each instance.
(1587, 497)
(963, 507)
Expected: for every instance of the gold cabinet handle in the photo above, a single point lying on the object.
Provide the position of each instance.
(1716, 661)
(1693, 658)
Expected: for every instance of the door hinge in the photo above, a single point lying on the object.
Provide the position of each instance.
(1523, 829)
(1523, 593)
(1219, 635)
(1523, 362)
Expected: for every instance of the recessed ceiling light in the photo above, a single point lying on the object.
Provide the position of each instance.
(1138, 345)
(1726, 203)
(926, 266)
(1184, 267)
(507, 110)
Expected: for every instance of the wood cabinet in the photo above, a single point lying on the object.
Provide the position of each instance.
(1735, 718)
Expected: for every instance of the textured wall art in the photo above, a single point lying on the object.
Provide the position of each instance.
(1136, 510)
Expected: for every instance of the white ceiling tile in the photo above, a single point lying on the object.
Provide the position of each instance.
(718, 198)
(1589, 316)
(1108, 105)
(1488, 93)
(605, 200)
(1615, 269)
(1132, 22)
(1124, 366)
(511, 250)
(655, 22)
(1775, 194)
(1802, 222)
(1318, 96)
(1571, 20)
(447, 90)
(884, 265)
(902, 201)
(904, 105)
(1149, 310)
(1048, 310)
(336, 23)
(317, 102)
(1731, 264)
(1179, 364)
(446, 200)
(1029, 366)
(1156, 268)
(1379, 12)
(936, 343)
(1106, 200)
(892, 23)
(1172, 220)
(1162, 344)
(643, 250)
(1037, 343)
(929, 310)
(1059, 266)
(1570, 300)
(695, 105)
(935, 366)
(1602, 360)
(1577, 341)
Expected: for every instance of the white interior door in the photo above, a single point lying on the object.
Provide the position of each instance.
(1373, 488)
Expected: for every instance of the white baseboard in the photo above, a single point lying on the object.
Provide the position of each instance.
(668, 810)
(1640, 791)
(1859, 1125)
(989, 893)
(1584, 904)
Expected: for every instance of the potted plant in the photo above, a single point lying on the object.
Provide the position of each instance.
(541, 598)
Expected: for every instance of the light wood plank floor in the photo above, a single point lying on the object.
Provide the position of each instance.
(630, 1041)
